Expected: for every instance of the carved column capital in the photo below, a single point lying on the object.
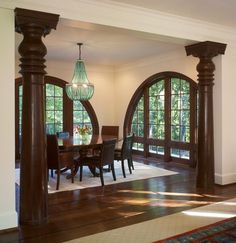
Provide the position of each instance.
(205, 51)
(33, 25)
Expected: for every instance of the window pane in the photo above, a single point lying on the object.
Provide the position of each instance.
(175, 117)
(50, 103)
(80, 116)
(175, 153)
(58, 128)
(175, 130)
(49, 90)
(184, 86)
(160, 87)
(50, 128)
(153, 117)
(140, 116)
(185, 101)
(58, 91)
(135, 118)
(156, 149)
(58, 104)
(134, 129)
(20, 90)
(86, 118)
(185, 118)
(49, 116)
(161, 102)
(140, 131)
(153, 131)
(175, 102)
(77, 117)
(161, 117)
(184, 154)
(140, 146)
(77, 105)
(153, 149)
(175, 86)
(184, 134)
(141, 104)
(152, 103)
(20, 103)
(161, 132)
(58, 117)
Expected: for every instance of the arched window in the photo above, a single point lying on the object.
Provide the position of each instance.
(61, 114)
(162, 114)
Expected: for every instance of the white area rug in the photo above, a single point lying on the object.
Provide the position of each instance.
(140, 171)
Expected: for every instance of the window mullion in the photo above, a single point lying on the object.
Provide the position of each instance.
(167, 119)
(146, 122)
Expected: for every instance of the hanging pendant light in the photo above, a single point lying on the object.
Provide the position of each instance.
(81, 88)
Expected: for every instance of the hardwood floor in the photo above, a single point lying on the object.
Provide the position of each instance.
(74, 214)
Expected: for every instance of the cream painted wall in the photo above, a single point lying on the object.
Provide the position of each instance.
(217, 106)
(8, 216)
(229, 115)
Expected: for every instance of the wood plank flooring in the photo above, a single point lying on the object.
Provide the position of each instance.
(74, 214)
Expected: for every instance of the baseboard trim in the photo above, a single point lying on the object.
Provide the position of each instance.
(8, 220)
(9, 230)
(225, 179)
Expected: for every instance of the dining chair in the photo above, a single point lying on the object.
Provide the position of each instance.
(56, 159)
(63, 135)
(105, 157)
(125, 153)
(110, 130)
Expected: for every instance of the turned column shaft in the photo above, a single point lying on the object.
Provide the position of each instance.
(205, 51)
(33, 176)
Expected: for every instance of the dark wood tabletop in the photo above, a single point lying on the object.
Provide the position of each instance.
(80, 141)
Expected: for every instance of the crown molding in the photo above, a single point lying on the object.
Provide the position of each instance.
(127, 16)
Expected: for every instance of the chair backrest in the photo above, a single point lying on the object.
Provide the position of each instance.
(108, 151)
(52, 152)
(110, 130)
(126, 150)
(63, 135)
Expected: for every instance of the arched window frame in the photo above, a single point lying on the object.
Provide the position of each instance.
(167, 143)
(67, 109)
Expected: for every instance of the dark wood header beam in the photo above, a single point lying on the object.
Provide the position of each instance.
(205, 51)
(33, 178)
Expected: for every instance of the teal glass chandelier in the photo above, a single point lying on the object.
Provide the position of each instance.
(80, 87)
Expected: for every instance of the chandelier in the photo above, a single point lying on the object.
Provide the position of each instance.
(80, 87)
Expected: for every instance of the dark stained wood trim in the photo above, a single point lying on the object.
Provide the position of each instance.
(146, 123)
(167, 140)
(205, 51)
(33, 25)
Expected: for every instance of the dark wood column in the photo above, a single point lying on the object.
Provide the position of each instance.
(33, 177)
(205, 51)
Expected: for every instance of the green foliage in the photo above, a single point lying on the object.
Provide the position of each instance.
(138, 119)
(50, 90)
(20, 90)
(80, 116)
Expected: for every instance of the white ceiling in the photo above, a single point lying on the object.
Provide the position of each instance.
(114, 46)
(215, 11)
(101, 44)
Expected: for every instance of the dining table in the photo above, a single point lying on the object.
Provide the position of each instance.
(78, 143)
